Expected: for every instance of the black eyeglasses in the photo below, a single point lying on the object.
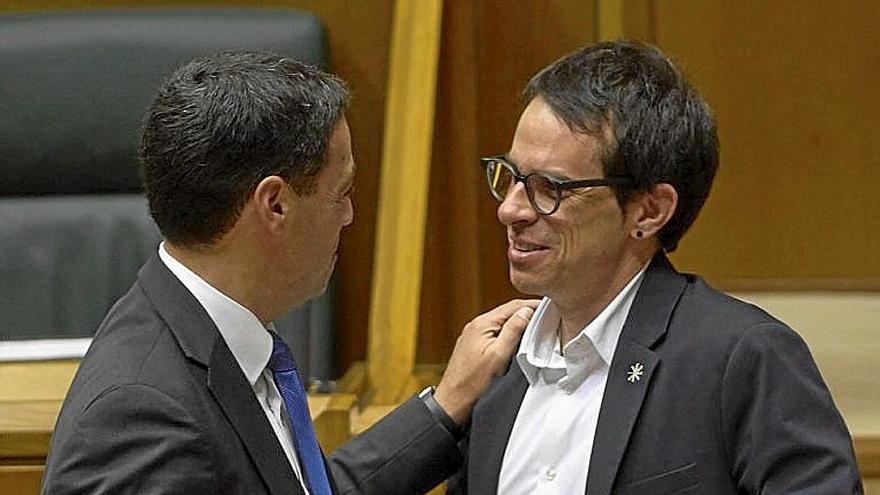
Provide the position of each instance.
(544, 192)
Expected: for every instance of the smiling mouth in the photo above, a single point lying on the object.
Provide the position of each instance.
(525, 247)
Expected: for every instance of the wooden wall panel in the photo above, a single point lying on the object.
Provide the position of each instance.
(359, 39)
(792, 83)
(488, 52)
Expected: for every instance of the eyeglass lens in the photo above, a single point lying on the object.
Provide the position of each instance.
(539, 189)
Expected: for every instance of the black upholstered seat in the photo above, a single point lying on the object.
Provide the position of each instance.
(74, 86)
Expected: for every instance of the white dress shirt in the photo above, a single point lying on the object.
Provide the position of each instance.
(250, 344)
(552, 439)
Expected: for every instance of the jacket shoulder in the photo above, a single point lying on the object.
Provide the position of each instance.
(133, 345)
(720, 314)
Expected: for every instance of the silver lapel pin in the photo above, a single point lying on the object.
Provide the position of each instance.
(635, 372)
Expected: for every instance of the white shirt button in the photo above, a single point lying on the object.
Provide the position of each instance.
(566, 385)
(550, 474)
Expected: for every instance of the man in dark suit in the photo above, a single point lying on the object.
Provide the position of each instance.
(632, 378)
(248, 170)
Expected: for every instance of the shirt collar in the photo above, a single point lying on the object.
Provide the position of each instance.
(593, 347)
(539, 345)
(247, 338)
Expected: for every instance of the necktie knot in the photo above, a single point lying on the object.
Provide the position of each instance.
(281, 358)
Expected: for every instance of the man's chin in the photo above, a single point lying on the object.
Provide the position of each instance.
(525, 283)
(326, 282)
(317, 287)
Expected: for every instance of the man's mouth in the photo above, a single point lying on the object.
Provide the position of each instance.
(523, 253)
(526, 247)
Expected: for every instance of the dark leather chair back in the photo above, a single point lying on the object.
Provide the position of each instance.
(74, 87)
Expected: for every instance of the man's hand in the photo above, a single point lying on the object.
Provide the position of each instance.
(482, 351)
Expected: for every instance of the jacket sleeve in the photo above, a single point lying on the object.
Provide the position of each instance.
(782, 431)
(457, 483)
(130, 439)
(407, 452)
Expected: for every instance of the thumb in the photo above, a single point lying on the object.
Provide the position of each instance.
(512, 330)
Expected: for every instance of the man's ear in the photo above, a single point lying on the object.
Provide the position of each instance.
(271, 201)
(649, 211)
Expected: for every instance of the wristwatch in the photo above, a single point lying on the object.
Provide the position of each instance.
(436, 410)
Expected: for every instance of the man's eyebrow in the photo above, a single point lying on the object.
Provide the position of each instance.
(553, 175)
(506, 157)
(348, 183)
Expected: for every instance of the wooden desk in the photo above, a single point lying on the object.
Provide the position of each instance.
(26, 428)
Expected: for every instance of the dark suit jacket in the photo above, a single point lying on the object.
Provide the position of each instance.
(730, 402)
(159, 405)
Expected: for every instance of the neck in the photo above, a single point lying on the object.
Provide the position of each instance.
(579, 308)
(230, 270)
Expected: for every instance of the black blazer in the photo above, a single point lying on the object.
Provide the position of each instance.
(159, 405)
(730, 402)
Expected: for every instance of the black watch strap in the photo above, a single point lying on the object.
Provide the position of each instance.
(427, 397)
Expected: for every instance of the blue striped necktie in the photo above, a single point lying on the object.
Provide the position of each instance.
(289, 384)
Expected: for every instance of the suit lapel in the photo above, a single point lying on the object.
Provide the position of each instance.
(200, 341)
(493, 422)
(620, 408)
(631, 371)
(236, 397)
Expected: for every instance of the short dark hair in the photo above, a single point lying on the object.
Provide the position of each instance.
(222, 123)
(661, 129)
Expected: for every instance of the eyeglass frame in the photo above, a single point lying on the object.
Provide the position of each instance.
(559, 185)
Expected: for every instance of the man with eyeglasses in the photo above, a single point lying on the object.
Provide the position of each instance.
(631, 377)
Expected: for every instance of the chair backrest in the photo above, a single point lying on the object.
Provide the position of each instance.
(74, 87)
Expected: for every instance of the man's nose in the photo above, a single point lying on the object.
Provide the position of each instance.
(348, 216)
(516, 206)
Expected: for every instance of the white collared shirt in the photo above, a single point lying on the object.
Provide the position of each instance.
(552, 439)
(250, 344)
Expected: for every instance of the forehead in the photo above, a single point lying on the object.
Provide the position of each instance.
(543, 142)
(340, 139)
(340, 162)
